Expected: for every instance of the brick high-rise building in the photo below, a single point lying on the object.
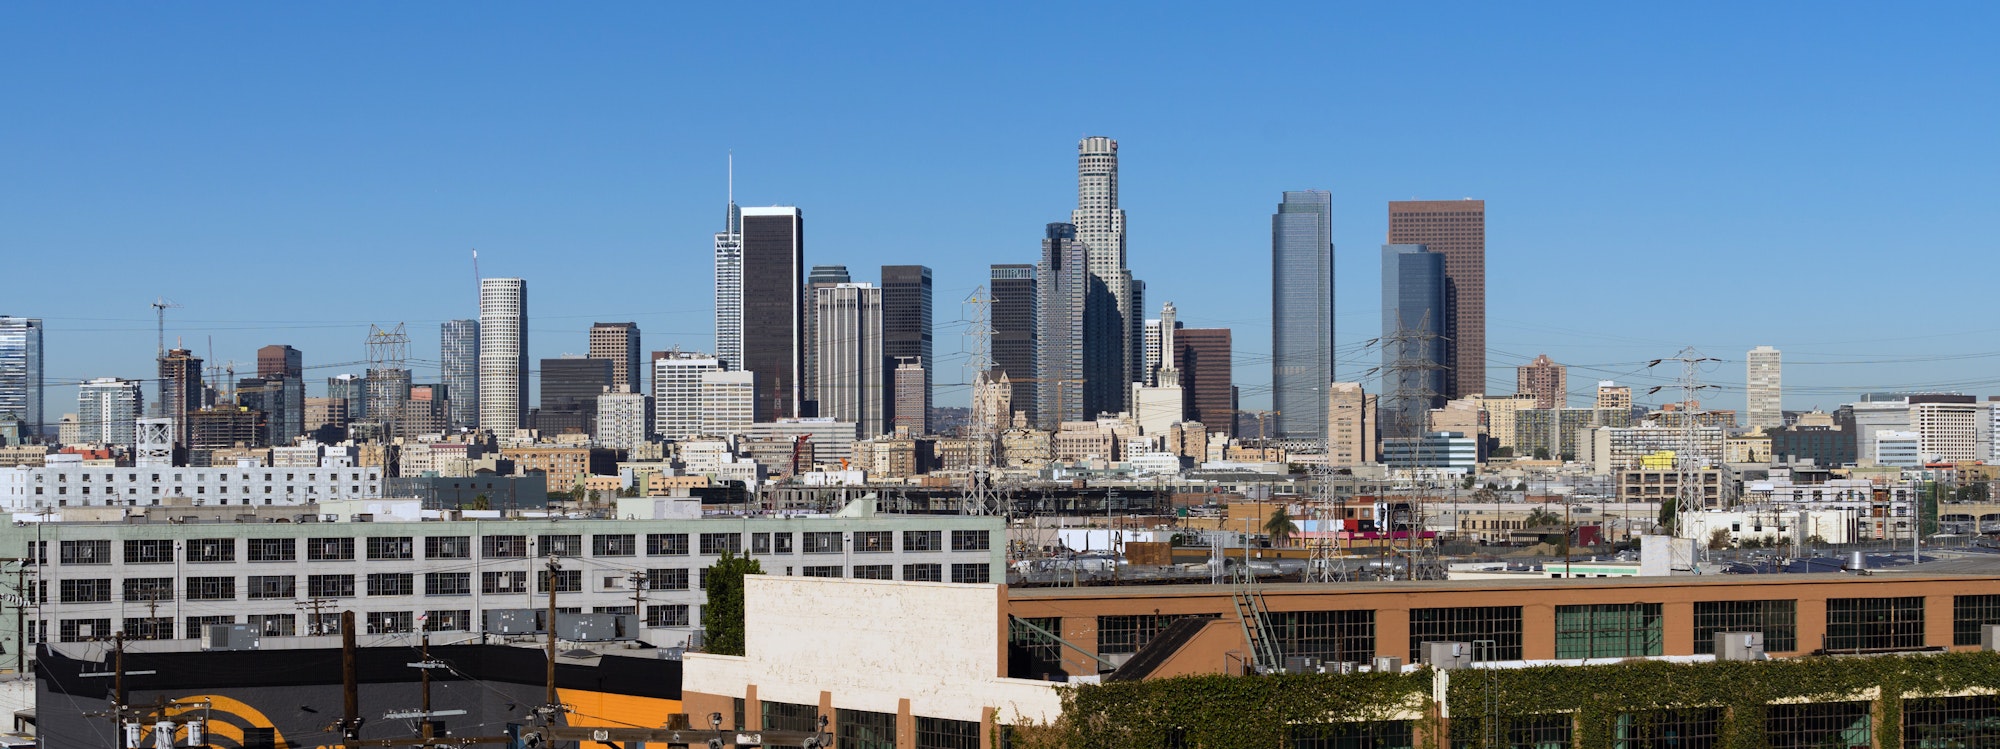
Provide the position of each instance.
(1546, 380)
(1202, 354)
(618, 343)
(1457, 230)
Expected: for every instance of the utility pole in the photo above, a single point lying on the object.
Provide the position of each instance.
(350, 682)
(639, 584)
(552, 705)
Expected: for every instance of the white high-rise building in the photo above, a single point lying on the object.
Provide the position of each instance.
(1152, 345)
(728, 403)
(624, 420)
(849, 342)
(1100, 228)
(729, 282)
(1765, 408)
(21, 372)
(107, 410)
(503, 355)
(677, 393)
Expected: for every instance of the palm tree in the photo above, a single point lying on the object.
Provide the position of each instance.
(1280, 527)
(1541, 517)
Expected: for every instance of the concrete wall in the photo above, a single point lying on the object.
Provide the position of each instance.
(913, 649)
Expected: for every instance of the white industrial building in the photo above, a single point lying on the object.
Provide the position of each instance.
(66, 482)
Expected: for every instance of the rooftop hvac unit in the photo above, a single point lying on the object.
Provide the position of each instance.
(1299, 664)
(595, 627)
(514, 621)
(1739, 646)
(1447, 655)
(1388, 663)
(1989, 637)
(230, 637)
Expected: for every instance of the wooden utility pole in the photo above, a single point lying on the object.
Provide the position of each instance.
(552, 705)
(350, 682)
(118, 687)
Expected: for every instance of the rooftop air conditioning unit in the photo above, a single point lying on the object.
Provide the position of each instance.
(1989, 637)
(1447, 655)
(1739, 646)
(230, 637)
(1388, 663)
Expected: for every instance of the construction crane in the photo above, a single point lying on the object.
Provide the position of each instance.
(800, 445)
(160, 307)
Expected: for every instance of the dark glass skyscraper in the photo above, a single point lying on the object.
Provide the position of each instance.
(1455, 229)
(1302, 312)
(1064, 283)
(773, 308)
(1015, 332)
(1413, 342)
(906, 332)
(459, 361)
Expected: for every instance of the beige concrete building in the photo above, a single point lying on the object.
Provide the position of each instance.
(1500, 420)
(1544, 379)
(1351, 425)
(1611, 395)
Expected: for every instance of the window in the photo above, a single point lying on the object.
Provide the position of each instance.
(1777, 619)
(504, 582)
(614, 545)
(142, 589)
(504, 547)
(1374, 734)
(1937, 722)
(211, 588)
(447, 583)
(1327, 635)
(83, 630)
(1514, 732)
(391, 547)
(1874, 623)
(781, 543)
(272, 586)
(829, 542)
(821, 571)
(716, 543)
(1812, 725)
(330, 586)
(874, 542)
(923, 573)
(149, 552)
(1693, 728)
(567, 581)
(274, 549)
(786, 716)
(923, 540)
(85, 552)
(969, 541)
(1042, 655)
(448, 547)
(149, 628)
(859, 729)
(874, 572)
(944, 733)
(448, 621)
(1130, 634)
(1500, 624)
(276, 625)
(390, 622)
(670, 615)
(211, 550)
(760, 543)
(85, 591)
(392, 584)
(666, 544)
(977, 572)
(1608, 630)
(1970, 614)
(666, 579)
(562, 545)
(198, 625)
(329, 549)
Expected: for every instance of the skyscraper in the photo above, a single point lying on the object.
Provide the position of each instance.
(459, 364)
(1064, 281)
(107, 410)
(1414, 348)
(913, 397)
(1015, 332)
(677, 392)
(729, 282)
(1544, 379)
(1302, 312)
(822, 277)
(1765, 408)
(352, 391)
(1113, 356)
(570, 388)
(851, 376)
(180, 391)
(1202, 356)
(1455, 229)
(618, 343)
(906, 334)
(773, 252)
(21, 372)
(1150, 370)
(281, 392)
(503, 355)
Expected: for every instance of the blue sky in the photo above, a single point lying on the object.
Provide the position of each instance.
(1814, 176)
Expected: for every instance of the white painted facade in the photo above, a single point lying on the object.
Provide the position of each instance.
(66, 482)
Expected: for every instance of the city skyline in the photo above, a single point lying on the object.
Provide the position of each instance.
(1727, 187)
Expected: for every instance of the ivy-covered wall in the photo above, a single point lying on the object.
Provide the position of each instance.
(1225, 712)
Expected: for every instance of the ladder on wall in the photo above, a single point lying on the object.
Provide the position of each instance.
(1256, 621)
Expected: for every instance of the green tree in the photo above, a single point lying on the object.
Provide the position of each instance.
(1280, 527)
(722, 618)
(1718, 539)
(482, 502)
(1541, 453)
(1541, 517)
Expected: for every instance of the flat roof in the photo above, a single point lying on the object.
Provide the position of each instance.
(1537, 583)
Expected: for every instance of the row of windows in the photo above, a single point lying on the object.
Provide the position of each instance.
(161, 551)
(1619, 630)
(287, 625)
(63, 478)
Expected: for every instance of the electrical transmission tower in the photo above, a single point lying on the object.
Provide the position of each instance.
(979, 497)
(1414, 364)
(388, 376)
(1688, 461)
